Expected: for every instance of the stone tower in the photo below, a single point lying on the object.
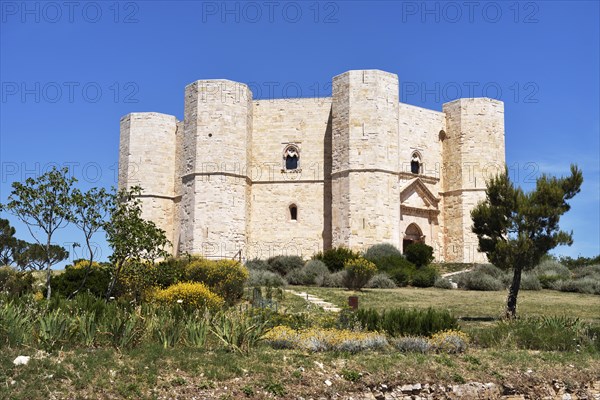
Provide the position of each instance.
(365, 195)
(148, 149)
(215, 151)
(472, 151)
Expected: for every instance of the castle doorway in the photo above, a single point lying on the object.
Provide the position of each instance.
(413, 234)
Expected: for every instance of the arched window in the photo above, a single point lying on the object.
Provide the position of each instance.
(291, 158)
(415, 163)
(293, 212)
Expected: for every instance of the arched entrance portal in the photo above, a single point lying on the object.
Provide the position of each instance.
(413, 234)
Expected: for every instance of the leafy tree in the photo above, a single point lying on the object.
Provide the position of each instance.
(44, 205)
(11, 248)
(89, 213)
(36, 256)
(516, 229)
(132, 238)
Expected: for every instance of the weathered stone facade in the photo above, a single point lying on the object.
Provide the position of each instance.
(295, 176)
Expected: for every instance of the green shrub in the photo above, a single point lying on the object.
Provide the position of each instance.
(589, 271)
(358, 273)
(72, 277)
(320, 339)
(336, 257)
(583, 285)
(381, 280)
(403, 273)
(296, 277)
(402, 322)
(257, 264)
(381, 250)
(314, 272)
(335, 279)
(170, 271)
(476, 280)
(258, 278)
(451, 342)
(284, 264)
(419, 254)
(15, 283)
(412, 344)
(442, 283)
(424, 276)
(549, 272)
(396, 266)
(224, 277)
(530, 282)
(191, 296)
(490, 270)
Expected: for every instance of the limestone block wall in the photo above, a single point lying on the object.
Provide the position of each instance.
(305, 123)
(217, 133)
(148, 158)
(365, 191)
(419, 130)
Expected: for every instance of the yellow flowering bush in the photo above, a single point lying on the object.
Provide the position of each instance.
(224, 277)
(136, 279)
(82, 264)
(318, 339)
(450, 341)
(191, 295)
(358, 273)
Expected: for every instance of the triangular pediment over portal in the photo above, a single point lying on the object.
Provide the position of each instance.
(415, 194)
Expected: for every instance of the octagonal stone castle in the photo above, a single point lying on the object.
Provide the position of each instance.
(296, 176)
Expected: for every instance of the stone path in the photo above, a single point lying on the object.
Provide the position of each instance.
(315, 300)
(449, 276)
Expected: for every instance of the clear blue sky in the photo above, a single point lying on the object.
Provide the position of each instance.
(70, 71)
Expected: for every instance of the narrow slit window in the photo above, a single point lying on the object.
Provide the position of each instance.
(293, 212)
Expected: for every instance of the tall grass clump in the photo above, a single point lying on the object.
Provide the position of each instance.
(558, 333)
(238, 331)
(54, 328)
(15, 323)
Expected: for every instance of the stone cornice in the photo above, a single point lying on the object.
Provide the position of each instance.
(417, 210)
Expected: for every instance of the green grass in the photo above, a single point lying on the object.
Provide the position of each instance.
(151, 371)
(464, 303)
